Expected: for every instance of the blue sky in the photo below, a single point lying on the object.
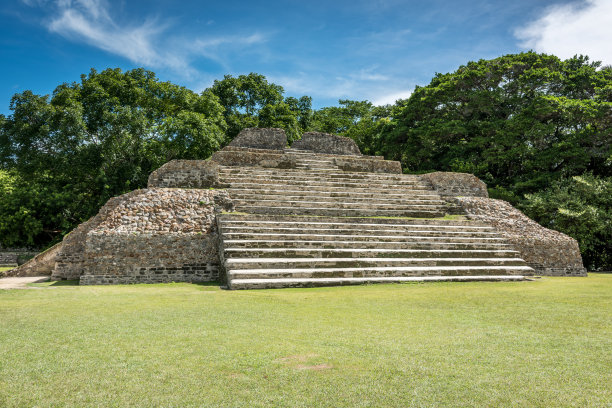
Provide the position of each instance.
(376, 50)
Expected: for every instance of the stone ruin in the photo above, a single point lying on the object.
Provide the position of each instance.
(259, 214)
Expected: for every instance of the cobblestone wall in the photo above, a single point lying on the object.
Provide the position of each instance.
(549, 252)
(150, 235)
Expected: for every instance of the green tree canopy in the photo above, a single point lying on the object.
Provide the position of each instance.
(518, 122)
(251, 101)
(100, 137)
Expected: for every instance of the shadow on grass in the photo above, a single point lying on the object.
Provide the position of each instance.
(65, 283)
(213, 283)
(55, 283)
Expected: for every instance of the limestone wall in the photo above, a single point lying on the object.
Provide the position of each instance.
(8, 258)
(15, 256)
(68, 262)
(235, 156)
(156, 235)
(326, 143)
(261, 138)
(549, 252)
(367, 164)
(449, 184)
(187, 174)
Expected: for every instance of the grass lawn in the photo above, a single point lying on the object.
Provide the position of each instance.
(546, 343)
(5, 268)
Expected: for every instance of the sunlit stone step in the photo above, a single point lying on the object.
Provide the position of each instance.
(314, 282)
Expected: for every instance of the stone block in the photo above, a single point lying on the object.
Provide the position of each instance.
(187, 174)
(449, 184)
(252, 157)
(367, 165)
(327, 143)
(261, 138)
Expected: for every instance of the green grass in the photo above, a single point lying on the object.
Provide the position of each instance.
(546, 343)
(4, 269)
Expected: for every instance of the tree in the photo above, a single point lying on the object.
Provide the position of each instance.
(518, 122)
(251, 101)
(359, 120)
(96, 139)
(581, 207)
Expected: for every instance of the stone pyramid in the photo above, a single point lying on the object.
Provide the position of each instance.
(258, 214)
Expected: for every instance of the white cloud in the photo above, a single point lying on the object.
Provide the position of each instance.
(90, 22)
(389, 99)
(570, 29)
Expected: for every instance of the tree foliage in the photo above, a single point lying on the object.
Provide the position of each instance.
(251, 101)
(581, 207)
(518, 122)
(93, 140)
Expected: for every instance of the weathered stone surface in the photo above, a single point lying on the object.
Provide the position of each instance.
(549, 252)
(41, 264)
(251, 157)
(151, 235)
(187, 174)
(68, 262)
(367, 165)
(261, 138)
(449, 184)
(326, 143)
(15, 256)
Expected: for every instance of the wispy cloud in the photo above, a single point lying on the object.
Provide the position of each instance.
(570, 29)
(390, 98)
(147, 43)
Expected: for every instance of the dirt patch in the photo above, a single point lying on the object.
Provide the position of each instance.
(22, 282)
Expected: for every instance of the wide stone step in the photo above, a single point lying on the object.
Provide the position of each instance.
(378, 272)
(271, 232)
(352, 222)
(287, 263)
(338, 212)
(318, 168)
(330, 197)
(316, 282)
(366, 195)
(322, 182)
(340, 203)
(372, 190)
(242, 235)
(327, 244)
(322, 156)
(259, 172)
(230, 252)
(301, 176)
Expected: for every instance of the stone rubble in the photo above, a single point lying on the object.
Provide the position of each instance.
(549, 252)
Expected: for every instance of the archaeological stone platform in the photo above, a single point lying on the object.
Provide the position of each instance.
(260, 214)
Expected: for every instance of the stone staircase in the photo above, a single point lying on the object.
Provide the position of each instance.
(316, 225)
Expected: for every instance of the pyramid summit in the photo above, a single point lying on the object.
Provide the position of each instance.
(260, 214)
